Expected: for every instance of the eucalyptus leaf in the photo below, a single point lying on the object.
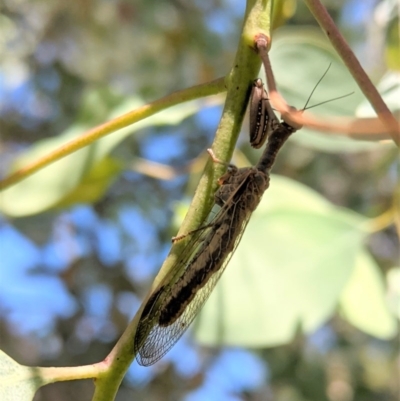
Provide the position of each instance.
(288, 272)
(389, 88)
(309, 54)
(17, 382)
(393, 42)
(393, 292)
(58, 183)
(363, 301)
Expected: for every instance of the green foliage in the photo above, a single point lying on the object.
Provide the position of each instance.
(85, 175)
(302, 260)
(363, 301)
(309, 53)
(17, 382)
(299, 258)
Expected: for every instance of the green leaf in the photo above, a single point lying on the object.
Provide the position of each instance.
(363, 301)
(393, 296)
(309, 53)
(389, 88)
(282, 11)
(280, 196)
(17, 382)
(59, 183)
(288, 271)
(94, 184)
(393, 44)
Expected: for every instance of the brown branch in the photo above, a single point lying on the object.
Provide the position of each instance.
(338, 42)
(370, 129)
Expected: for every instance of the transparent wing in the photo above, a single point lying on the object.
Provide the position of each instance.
(151, 310)
(153, 343)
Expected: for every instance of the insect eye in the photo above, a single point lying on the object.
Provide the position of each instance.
(258, 83)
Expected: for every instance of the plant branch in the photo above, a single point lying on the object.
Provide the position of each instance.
(87, 138)
(165, 172)
(57, 374)
(326, 23)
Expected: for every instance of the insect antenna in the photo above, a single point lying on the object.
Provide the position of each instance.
(286, 115)
(327, 101)
(316, 85)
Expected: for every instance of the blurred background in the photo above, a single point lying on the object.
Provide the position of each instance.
(81, 242)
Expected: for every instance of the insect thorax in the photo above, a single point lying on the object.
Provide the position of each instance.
(246, 186)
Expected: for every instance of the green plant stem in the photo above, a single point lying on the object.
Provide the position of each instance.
(245, 68)
(339, 43)
(56, 374)
(87, 138)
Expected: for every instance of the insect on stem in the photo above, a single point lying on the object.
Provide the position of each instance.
(181, 294)
(232, 169)
(289, 114)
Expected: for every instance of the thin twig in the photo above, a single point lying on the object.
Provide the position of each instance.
(338, 42)
(370, 129)
(195, 92)
(165, 172)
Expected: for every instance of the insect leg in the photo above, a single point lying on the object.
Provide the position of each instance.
(181, 237)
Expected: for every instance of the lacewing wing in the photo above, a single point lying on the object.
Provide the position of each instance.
(178, 299)
(174, 305)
